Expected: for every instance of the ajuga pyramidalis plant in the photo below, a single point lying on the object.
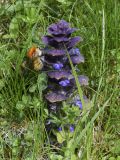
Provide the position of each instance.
(61, 82)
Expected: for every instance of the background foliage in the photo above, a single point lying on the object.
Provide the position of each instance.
(23, 115)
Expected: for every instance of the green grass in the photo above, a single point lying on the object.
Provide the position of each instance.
(97, 133)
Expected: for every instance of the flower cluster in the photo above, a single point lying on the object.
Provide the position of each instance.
(61, 82)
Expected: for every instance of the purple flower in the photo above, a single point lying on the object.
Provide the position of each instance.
(83, 80)
(74, 51)
(57, 66)
(76, 56)
(71, 128)
(78, 103)
(64, 83)
(77, 59)
(59, 129)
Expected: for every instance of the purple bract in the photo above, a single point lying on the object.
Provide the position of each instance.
(60, 28)
(59, 74)
(55, 52)
(55, 97)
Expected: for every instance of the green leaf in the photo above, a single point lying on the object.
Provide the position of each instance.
(56, 157)
(25, 99)
(60, 137)
(118, 158)
(2, 84)
(7, 36)
(116, 147)
(33, 88)
(36, 102)
(62, 1)
(46, 112)
(69, 143)
(73, 157)
(14, 28)
(20, 106)
(112, 158)
(42, 82)
(18, 6)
